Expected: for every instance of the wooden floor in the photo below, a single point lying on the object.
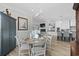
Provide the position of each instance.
(59, 48)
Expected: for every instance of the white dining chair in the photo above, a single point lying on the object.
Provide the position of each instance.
(38, 48)
(23, 47)
(48, 41)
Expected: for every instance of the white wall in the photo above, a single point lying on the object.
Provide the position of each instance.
(15, 13)
(48, 12)
(60, 13)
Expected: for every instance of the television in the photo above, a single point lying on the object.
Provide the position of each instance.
(42, 25)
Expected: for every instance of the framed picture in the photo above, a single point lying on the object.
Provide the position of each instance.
(51, 27)
(22, 23)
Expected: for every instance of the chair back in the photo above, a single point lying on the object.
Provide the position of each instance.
(66, 34)
(39, 48)
(39, 43)
(18, 41)
(59, 34)
(74, 34)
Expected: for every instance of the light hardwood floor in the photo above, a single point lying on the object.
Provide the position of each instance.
(59, 48)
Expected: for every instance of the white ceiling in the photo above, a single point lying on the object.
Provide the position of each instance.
(51, 9)
(54, 11)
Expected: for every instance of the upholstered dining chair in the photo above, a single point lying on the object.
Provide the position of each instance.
(66, 36)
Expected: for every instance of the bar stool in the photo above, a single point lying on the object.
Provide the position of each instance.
(59, 35)
(66, 36)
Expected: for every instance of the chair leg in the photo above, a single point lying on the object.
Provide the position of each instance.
(19, 52)
(44, 54)
(29, 53)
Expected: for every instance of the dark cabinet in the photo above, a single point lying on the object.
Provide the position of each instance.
(75, 44)
(12, 33)
(7, 33)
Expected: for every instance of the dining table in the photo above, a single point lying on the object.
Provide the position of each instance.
(32, 41)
